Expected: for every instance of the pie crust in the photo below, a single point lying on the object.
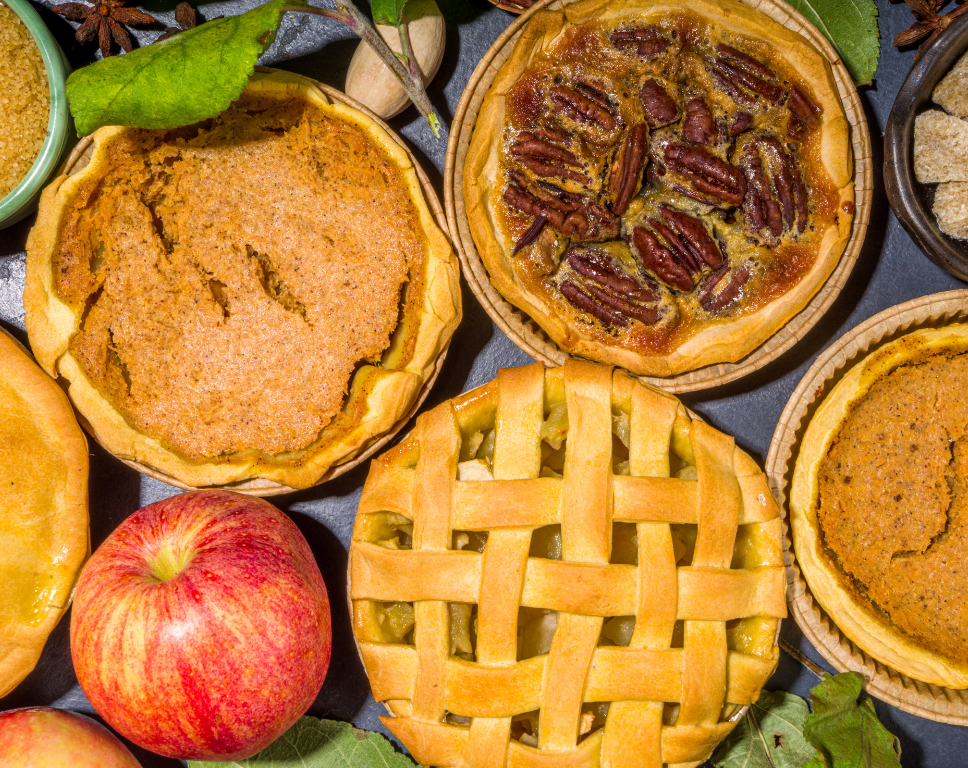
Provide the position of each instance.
(213, 362)
(897, 508)
(43, 510)
(497, 600)
(668, 329)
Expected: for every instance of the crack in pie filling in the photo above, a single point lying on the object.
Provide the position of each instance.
(563, 568)
(659, 187)
(258, 295)
(879, 505)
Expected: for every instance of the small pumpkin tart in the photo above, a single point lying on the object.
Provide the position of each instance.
(879, 505)
(43, 509)
(261, 295)
(660, 185)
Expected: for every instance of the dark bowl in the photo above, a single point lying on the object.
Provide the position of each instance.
(911, 200)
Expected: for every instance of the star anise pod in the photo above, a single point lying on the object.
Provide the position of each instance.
(185, 16)
(106, 20)
(929, 22)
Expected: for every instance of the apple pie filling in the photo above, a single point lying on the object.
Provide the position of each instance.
(382, 622)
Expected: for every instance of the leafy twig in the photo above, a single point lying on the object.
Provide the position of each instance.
(411, 80)
(802, 659)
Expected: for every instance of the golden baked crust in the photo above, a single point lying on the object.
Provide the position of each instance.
(879, 504)
(44, 536)
(498, 600)
(261, 295)
(660, 329)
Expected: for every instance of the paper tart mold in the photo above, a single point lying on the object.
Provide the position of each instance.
(494, 585)
(545, 336)
(44, 536)
(844, 632)
(381, 394)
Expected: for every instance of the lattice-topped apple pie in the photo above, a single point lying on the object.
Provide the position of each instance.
(563, 565)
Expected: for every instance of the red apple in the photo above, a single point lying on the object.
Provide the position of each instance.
(41, 737)
(200, 628)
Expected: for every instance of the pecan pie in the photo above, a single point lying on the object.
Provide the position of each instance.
(260, 295)
(659, 185)
(562, 568)
(879, 505)
(43, 509)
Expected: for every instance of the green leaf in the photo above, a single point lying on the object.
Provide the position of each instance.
(770, 736)
(848, 734)
(186, 78)
(312, 743)
(388, 11)
(851, 26)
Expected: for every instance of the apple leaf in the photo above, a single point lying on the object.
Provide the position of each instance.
(770, 736)
(388, 11)
(845, 732)
(189, 77)
(312, 743)
(851, 27)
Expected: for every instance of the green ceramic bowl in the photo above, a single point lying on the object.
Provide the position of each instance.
(22, 199)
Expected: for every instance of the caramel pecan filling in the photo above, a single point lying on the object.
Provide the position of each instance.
(681, 153)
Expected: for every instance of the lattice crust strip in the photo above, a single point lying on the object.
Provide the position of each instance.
(451, 524)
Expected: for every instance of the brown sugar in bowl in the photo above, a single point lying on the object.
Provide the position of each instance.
(237, 343)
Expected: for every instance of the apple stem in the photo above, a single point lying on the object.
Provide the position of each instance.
(166, 563)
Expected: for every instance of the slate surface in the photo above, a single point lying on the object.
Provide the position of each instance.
(889, 271)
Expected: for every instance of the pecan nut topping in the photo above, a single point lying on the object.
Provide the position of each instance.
(713, 300)
(545, 158)
(585, 103)
(602, 289)
(659, 107)
(776, 196)
(627, 173)
(745, 78)
(647, 42)
(698, 126)
(708, 178)
(804, 113)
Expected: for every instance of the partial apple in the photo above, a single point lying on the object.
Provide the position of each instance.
(201, 628)
(41, 737)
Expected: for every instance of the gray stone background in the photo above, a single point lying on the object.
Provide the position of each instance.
(890, 270)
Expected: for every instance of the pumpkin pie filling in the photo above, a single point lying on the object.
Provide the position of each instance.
(259, 236)
(893, 507)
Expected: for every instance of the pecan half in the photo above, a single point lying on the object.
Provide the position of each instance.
(804, 114)
(658, 106)
(605, 291)
(581, 300)
(715, 301)
(698, 126)
(697, 239)
(745, 78)
(530, 234)
(647, 42)
(586, 104)
(776, 196)
(659, 259)
(566, 222)
(600, 268)
(741, 122)
(627, 171)
(709, 179)
(575, 216)
(546, 159)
